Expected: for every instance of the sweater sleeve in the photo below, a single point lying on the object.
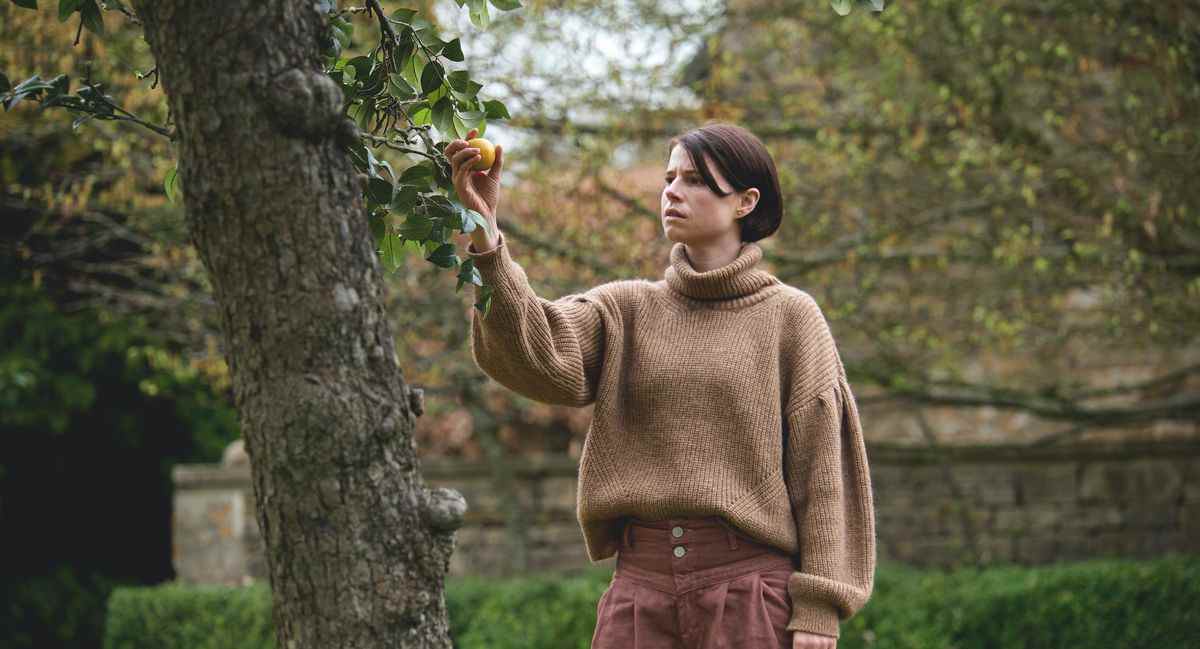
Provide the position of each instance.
(547, 350)
(825, 468)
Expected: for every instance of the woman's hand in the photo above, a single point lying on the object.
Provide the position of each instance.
(477, 190)
(806, 640)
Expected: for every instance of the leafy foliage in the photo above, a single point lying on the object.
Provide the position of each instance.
(93, 414)
(1144, 604)
(398, 94)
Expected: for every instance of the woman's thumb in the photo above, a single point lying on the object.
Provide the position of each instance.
(494, 172)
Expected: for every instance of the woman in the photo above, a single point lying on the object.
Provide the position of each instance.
(724, 465)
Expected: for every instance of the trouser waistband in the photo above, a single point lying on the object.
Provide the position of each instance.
(701, 523)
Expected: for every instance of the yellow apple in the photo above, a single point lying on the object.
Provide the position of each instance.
(487, 153)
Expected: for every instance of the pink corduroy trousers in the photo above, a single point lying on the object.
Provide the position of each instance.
(694, 583)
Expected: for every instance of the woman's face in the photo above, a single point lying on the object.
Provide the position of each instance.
(706, 217)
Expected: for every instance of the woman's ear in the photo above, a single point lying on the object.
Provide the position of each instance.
(747, 202)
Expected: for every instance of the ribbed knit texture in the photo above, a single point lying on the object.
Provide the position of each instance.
(716, 393)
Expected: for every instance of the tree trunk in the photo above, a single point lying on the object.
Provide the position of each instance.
(357, 547)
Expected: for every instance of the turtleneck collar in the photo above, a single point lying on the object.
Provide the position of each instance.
(739, 278)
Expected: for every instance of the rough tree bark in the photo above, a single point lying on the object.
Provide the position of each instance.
(357, 546)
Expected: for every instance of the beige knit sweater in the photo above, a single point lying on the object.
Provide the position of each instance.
(716, 393)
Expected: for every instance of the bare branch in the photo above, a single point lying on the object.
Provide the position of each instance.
(385, 26)
(1065, 407)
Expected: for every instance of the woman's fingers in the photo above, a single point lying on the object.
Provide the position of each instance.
(497, 164)
(464, 155)
(454, 147)
(458, 145)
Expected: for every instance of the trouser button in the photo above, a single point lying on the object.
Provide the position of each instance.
(676, 531)
(680, 550)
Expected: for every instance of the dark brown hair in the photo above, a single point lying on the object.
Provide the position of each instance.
(745, 162)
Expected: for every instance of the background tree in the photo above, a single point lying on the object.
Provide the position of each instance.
(987, 200)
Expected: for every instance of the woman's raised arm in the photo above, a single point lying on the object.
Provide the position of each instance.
(547, 350)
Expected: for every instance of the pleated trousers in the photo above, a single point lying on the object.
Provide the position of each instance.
(694, 583)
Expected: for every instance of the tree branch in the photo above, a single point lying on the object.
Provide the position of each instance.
(385, 26)
(1066, 407)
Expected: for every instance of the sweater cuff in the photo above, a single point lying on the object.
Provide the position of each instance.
(813, 617)
(497, 267)
(473, 252)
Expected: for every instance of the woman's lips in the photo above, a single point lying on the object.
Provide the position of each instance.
(673, 213)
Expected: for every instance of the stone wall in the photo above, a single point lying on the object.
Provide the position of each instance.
(946, 507)
(1037, 505)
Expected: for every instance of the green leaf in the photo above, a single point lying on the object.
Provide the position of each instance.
(412, 70)
(478, 11)
(59, 85)
(28, 4)
(362, 66)
(433, 97)
(66, 8)
(359, 154)
(373, 164)
(379, 191)
(343, 31)
(363, 113)
(431, 77)
(443, 178)
(473, 117)
(506, 5)
(171, 184)
(81, 120)
(391, 254)
(444, 256)
(841, 7)
(418, 175)
(468, 274)
(495, 109)
(473, 219)
(453, 51)
(92, 19)
(405, 199)
(430, 40)
(5, 86)
(416, 227)
(468, 95)
(443, 111)
(459, 80)
(403, 16)
(331, 49)
(460, 128)
(422, 116)
(437, 235)
(399, 88)
(440, 207)
(33, 86)
(378, 224)
(484, 303)
(374, 84)
(876, 5)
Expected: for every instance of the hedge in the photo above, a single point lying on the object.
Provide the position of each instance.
(1099, 603)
